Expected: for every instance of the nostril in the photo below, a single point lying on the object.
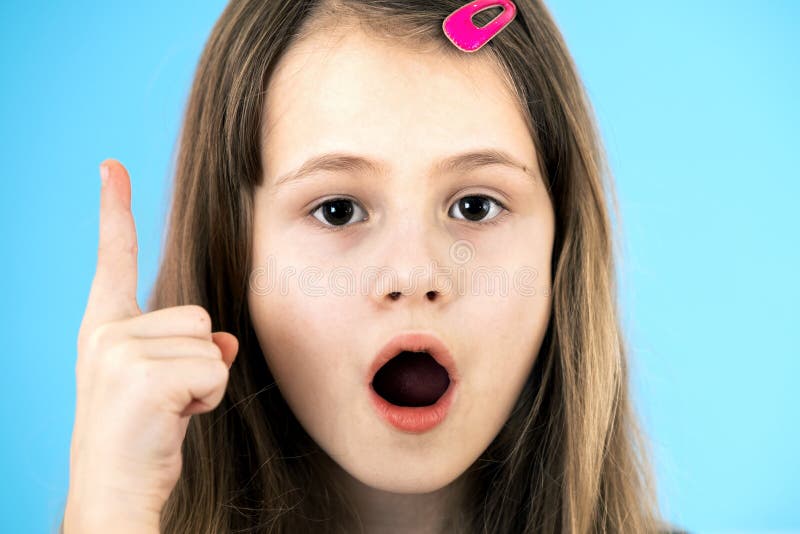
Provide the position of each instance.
(430, 295)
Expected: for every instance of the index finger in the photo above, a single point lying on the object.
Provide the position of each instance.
(113, 293)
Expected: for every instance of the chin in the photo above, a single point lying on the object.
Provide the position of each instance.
(395, 477)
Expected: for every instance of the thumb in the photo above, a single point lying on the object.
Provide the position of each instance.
(228, 344)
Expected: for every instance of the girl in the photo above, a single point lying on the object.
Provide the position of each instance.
(482, 386)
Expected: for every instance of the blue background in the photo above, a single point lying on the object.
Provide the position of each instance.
(697, 103)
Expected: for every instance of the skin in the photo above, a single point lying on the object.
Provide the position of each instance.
(353, 94)
(139, 379)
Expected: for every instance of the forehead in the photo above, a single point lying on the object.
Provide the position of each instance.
(349, 92)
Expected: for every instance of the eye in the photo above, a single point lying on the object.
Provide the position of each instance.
(338, 212)
(476, 207)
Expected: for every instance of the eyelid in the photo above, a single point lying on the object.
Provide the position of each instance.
(481, 190)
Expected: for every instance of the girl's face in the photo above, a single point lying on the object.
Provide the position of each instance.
(319, 320)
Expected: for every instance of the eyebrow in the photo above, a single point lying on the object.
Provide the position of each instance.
(347, 162)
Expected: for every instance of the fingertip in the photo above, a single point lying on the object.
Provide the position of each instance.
(112, 171)
(109, 162)
(229, 345)
(234, 350)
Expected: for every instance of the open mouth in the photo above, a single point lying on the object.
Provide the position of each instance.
(411, 379)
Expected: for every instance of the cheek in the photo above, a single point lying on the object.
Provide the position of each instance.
(501, 358)
(304, 339)
(297, 319)
(310, 350)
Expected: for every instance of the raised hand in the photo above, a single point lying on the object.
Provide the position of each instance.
(140, 377)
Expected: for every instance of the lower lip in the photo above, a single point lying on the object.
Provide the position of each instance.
(414, 419)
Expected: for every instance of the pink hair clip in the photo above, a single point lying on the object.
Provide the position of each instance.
(462, 31)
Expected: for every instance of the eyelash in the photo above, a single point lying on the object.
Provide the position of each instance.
(337, 228)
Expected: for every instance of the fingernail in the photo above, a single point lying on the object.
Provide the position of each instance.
(103, 173)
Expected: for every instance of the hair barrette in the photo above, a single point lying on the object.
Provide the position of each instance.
(462, 31)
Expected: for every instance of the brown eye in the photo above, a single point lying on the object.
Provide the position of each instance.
(338, 212)
(476, 208)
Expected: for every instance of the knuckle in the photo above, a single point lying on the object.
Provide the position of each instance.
(214, 350)
(114, 246)
(127, 347)
(99, 338)
(120, 368)
(202, 316)
(126, 358)
(220, 371)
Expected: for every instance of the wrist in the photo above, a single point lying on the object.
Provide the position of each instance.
(81, 517)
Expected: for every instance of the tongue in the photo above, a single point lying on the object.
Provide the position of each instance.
(411, 379)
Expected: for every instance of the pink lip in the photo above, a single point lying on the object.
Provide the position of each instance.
(415, 419)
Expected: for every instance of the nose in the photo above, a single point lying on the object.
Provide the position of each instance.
(414, 268)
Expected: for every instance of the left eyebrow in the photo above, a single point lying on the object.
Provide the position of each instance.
(346, 162)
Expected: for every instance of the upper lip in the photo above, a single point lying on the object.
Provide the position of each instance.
(415, 341)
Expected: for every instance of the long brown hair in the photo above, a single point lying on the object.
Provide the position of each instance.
(570, 458)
